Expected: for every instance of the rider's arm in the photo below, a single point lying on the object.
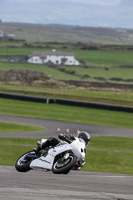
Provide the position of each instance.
(71, 137)
(65, 138)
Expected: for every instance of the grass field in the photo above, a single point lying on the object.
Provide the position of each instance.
(105, 58)
(113, 158)
(93, 73)
(43, 68)
(92, 57)
(71, 35)
(66, 113)
(112, 72)
(104, 96)
(109, 161)
(17, 128)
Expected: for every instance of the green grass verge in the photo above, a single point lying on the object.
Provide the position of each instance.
(109, 161)
(110, 155)
(66, 113)
(111, 97)
(117, 98)
(102, 142)
(117, 160)
(17, 128)
(111, 143)
(10, 153)
(19, 141)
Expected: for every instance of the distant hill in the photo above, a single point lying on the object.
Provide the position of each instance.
(65, 34)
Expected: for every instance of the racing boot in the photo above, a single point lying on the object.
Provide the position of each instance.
(38, 148)
(42, 146)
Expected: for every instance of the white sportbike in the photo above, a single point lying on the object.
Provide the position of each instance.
(65, 156)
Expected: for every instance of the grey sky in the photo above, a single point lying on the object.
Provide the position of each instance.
(98, 2)
(96, 13)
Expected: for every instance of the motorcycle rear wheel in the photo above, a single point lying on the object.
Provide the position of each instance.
(63, 167)
(23, 163)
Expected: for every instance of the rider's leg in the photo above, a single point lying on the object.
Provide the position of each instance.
(49, 142)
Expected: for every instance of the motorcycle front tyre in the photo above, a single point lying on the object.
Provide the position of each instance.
(66, 168)
(23, 164)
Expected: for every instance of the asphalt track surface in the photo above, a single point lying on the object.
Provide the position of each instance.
(51, 127)
(36, 185)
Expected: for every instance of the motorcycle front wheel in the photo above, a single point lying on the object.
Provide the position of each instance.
(23, 162)
(63, 166)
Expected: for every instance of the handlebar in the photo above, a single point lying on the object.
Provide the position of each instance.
(65, 138)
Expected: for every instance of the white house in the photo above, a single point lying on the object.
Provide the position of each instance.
(1, 34)
(5, 36)
(55, 57)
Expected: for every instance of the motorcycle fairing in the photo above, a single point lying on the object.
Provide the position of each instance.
(77, 148)
(47, 162)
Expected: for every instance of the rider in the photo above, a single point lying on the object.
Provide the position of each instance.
(52, 142)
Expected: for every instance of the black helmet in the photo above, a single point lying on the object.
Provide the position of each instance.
(85, 136)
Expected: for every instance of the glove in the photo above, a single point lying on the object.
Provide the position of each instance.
(71, 137)
(61, 136)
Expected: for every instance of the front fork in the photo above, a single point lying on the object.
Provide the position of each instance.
(66, 155)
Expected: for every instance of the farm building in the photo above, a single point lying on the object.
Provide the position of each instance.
(55, 57)
(6, 37)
